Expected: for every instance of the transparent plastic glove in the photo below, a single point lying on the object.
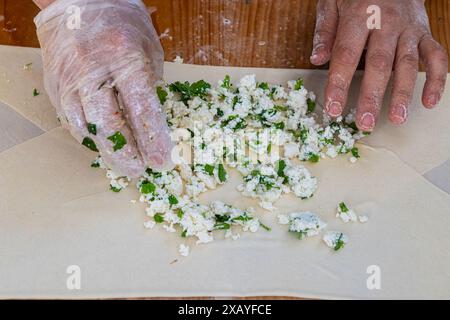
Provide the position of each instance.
(403, 38)
(101, 76)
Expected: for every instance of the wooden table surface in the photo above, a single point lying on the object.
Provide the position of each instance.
(252, 33)
(257, 33)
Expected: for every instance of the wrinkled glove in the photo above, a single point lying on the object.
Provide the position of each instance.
(404, 37)
(100, 75)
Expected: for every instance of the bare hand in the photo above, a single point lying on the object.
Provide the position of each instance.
(341, 36)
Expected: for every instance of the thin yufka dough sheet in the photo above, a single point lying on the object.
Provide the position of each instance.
(56, 211)
(18, 83)
(423, 142)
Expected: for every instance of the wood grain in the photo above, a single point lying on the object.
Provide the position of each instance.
(258, 33)
(264, 33)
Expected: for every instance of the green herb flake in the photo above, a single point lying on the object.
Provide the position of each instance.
(92, 128)
(180, 213)
(343, 207)
(158, 218)
(199, 88)
(280, 166)
(219, 112)
(118, 140)
(304, 134)
(173, 200)
(90, 144)
(150, 172)
(235, 101)
(162, 94)
(222, 226)
(227, 121)
(313, 158)
(355, 152)
(311, 105)
(339, 243)
(243, 218)
(188, 91)
(298, 84)
(114, 189)
(264, 86)
(279, 125)
(300, 234)
(222, 173)
(191, 132)
(147, 187)
(353, 126)
(36, 92)
(209, 169)
(265, 227)
(280, 108)
(95, 164)
(184, 234)
(226, 82)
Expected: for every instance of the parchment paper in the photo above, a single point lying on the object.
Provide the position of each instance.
(56, 211)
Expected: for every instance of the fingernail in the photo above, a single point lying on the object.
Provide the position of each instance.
(314, 58)
(334, 108)
(315, 55)
(367, 121)
(399, 114)
(433, 100)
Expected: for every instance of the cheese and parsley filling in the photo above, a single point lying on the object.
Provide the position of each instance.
(268, 133)
(347, 214)
(303, 224)
(335, 240)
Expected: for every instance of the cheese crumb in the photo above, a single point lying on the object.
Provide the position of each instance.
(335, 239)
(345, 213)
(363, 218)
(178, 59)
(305, 224)
(353, 159)
(283, 219)
(183, 250)
(150, 224)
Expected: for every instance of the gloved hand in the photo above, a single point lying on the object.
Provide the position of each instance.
(341, 35)
(101, 79)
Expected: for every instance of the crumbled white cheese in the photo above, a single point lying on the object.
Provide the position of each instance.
(178, 59)
(183, 250)
(353, 159)
(283, 219)
(335, 239)
(345, 213)
(230, 234)
(305, 224)
(149, 224)
(363, 218)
